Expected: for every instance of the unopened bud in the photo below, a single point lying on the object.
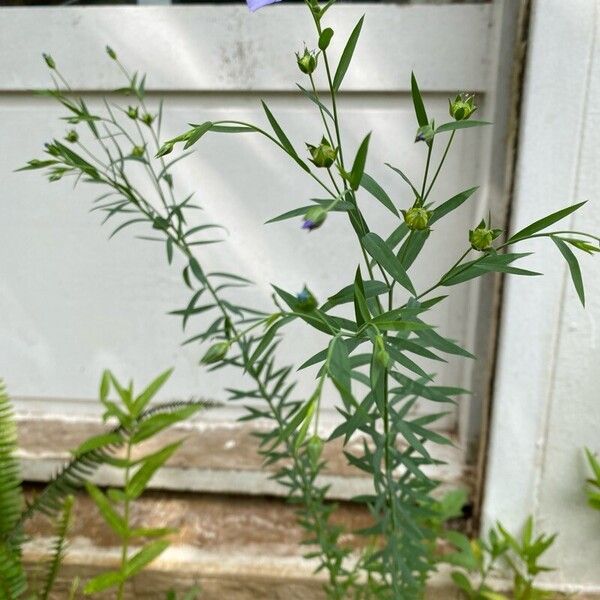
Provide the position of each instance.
(72, 136)
(323, 155)
(482, 236)
(462, 107)
(416, 218)
(314, 218)
(111, 53)
(381, 354)
(148, 119)
(138, 151)
(307, 62)
(49, 61)
(132, 112)
(306, 302)
(215, 353)
(425, 134)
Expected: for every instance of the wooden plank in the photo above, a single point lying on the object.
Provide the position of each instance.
(216, 48)
(216, 457)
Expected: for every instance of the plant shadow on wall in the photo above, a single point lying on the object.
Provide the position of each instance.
(136, 423)
(372, 358)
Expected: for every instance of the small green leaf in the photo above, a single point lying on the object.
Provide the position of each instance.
(417, 99)
(110, 515)
(102, 582)
(99, 441)
(573, 265)
(446, 207)
(285, 142)
(358, 167)
(150, 465)
(543, 223)
(196, 133)
(152, 425)
(144, 557)
(361, 309)
(369, 184)
(406, 179)
(347, 54)
(325, 38)
(142, 400)
(454, 125)
(379, 251)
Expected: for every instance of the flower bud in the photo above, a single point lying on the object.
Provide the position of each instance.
(138, 151)
(314, 218)
(111, 53)
(462, 107)
(306, 302)
(416, 218)
(380, 353)
(323, 155)
(160, 223)
(72, 136)
(166, 148)
(215, 353)
(148, 119)
(425, 134)
(314, 449)
(307, 62)
(132, 112)
(482, 236)
(49, 61)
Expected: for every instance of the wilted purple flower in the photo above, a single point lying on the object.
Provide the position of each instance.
(255, 4)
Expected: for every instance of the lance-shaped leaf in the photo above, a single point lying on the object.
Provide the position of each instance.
(358, 167)
(361, 309)
(454, 125)
(387, 260)
(142, 400)
(347, 54)
(446, 207)
(543, 223)
(369, 184)
(417, 99)
(573, 265)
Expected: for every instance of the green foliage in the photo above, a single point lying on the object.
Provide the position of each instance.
(370, 357)
(479, 560)
(593, 483)
(12, 576)
(136, 424)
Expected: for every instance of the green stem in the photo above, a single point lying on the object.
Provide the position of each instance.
(125, 548)
(437, 172)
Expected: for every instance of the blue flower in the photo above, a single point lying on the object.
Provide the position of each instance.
(255, 4)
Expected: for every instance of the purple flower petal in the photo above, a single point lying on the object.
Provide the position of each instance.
(255, 4)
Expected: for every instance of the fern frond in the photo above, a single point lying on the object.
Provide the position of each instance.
(12, 575)
(59, 546)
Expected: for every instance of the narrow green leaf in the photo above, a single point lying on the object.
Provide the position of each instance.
(573, 265)
(197, 133)
(361, 309)
(151, 464)
(382, 254)
(417, 99)
(347, 54)
(446, 207)
(99, 441)
(144, 557)
(369, 184)
(152, 425)
(102, 582)
(405, 178)
(142, 400)
(313, 99)
(285, 142)
(454, 125)
(358, 167)
(543, 223)
(113, 519)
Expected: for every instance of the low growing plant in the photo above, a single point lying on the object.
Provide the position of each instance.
(480, 560)
(370, 357)
(136, 423)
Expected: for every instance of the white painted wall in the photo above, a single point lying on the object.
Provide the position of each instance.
(547, 402)
(72, 304)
